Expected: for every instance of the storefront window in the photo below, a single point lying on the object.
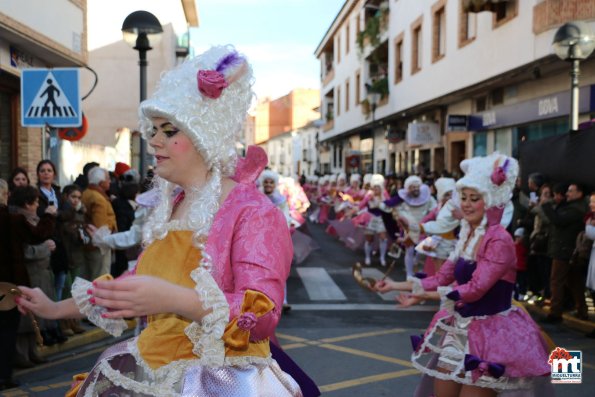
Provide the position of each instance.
(536, 131)
(480, 144)
(502, 141)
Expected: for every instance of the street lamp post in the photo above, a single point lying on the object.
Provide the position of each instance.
(574, 42)
(141, 29)
(373, 99)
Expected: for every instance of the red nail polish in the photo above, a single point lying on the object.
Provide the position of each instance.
(90, 292)
(94, 283)
(92, 300)
(17, 299)
(103, 315)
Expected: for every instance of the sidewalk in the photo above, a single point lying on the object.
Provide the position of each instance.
(91, 335)
(570, 321)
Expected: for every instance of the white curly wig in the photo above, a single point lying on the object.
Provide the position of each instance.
(478, 175)
(377, 180)
(212, 123)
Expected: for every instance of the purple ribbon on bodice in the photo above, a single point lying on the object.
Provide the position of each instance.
(497, 299)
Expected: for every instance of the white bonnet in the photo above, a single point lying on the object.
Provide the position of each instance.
(211, 121)
(269, 174)
(377, 180)
(367, 178)
(355, 178)
(443, 186)
(412, 180)
(494, 176)
(341, 176)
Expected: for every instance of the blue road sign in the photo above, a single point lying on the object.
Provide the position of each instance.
(50, 96)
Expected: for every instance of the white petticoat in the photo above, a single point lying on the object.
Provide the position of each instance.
(376, 225)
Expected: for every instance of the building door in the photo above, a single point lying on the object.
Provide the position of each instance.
(438, 160)
(392, 165)
(9, 99)
(458, 152)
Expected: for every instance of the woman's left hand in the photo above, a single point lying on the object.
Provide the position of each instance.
(134, 296)
(407, 300)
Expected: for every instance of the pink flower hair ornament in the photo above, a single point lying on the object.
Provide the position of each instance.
(498, 176)
(211, 83)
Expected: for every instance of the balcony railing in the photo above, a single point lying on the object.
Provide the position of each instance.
(329, 76)
(328, 125)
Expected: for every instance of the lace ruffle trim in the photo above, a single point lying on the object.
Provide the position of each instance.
(207, 336)
(114, 327)
(417, 288)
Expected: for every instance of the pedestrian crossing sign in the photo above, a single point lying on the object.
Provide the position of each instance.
(50, 97)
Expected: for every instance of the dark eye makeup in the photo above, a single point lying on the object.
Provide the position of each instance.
(167, 128)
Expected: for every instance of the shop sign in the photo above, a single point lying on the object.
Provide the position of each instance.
(547, 107)
(457, 122)
(423, 133)
(20, 59)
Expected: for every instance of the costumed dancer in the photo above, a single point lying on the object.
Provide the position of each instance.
(269, 180)
(352, 195)
(312, 194)
(342, 185)
(355, 191)
(324, 198)
(417, 202)
(296, 199)
(341, 202)
(479, 344)
(366, 182)
(375, 227)
(216, 260)
(439, 227)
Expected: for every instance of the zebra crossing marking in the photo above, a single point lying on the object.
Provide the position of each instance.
(319, 284)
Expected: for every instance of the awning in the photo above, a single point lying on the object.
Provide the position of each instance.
(481, 5)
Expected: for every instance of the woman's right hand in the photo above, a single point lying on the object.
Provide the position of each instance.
(51, 209)
(91, 229)
(383, 286)
(50, 244)
(35, 301)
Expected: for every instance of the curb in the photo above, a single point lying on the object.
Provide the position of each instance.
(91, 335)
(569, 320)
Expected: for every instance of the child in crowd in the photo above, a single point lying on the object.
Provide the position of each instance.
(74, 237)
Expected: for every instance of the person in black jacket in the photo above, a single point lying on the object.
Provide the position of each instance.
(124, 208)
(567, 222)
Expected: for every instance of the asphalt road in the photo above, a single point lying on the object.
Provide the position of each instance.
(350, 341)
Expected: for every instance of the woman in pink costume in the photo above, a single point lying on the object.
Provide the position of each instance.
(439, 231)
(479, 344)
(325, 198)
(217, 254)
(374, 201)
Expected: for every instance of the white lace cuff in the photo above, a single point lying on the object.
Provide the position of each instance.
(114, 327)
(99, 239)
(446, 303)
(417, 289)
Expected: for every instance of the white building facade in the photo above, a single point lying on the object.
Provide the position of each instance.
(280, 153)
(449, 83)
(31, 38)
